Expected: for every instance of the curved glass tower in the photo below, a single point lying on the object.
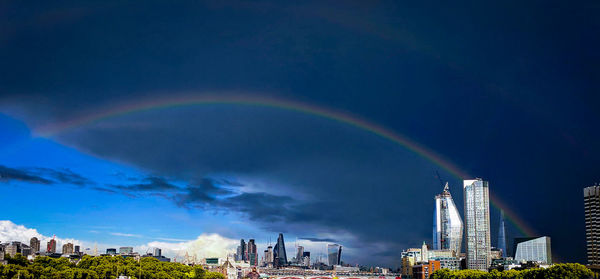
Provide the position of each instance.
(447, 224)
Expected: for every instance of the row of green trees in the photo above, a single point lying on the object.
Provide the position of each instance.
(562, 271)
(104, 267)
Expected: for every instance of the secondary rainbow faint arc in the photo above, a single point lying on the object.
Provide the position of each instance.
(153, 104)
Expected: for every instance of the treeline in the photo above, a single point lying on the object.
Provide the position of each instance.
(562, 271)
(100, 268)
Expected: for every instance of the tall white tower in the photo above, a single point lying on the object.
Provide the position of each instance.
(477, 221)
(447, 224)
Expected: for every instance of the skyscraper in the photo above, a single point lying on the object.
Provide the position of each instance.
(252, 253)
(477, 221)
(502, 235)
(334, 254)
(67, 248)
(447, 224)
(34, 243)
(279, 255)
(51, 247)
(591, 197)
(299, 253)
(241, 251)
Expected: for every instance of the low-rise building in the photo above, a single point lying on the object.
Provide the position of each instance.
(425, 269)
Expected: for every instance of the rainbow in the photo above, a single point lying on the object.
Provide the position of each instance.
(288, 105)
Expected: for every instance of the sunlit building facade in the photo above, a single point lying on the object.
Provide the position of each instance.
(533, 249)
(447, 224)
(477, 223)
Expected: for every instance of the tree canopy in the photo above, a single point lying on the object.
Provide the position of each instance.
(99, 268)
(563, 271)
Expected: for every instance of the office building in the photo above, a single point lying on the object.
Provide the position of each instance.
(241, 251)
(407, 266)
(423, 270)
(414, 253)
(535, 249)
(334, 254)
(157, 252)
(477, 224)
(447, 224)
(67, 248)
(252, 254)
(111, 251)
(279, 254)
(502, 236)
(269, 255)
(51, 246)
(77, 249)
(17, 247)
(299, 253)
(125, 250)
(34, 244)
(591, 197)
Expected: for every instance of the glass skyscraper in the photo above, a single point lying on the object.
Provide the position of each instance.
(334, 254)
(477, 223)
(502, 235)
(447, 224)
(279, 255)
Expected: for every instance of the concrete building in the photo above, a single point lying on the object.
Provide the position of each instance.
(477, 221)
(407, 266)
(67, 248)
(34, 244)
(535, 249)
(424, 270)
(414, 253)
(591, 198)
(17, 247)
(299, 253)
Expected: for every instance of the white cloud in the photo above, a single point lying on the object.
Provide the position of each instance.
(205, 246)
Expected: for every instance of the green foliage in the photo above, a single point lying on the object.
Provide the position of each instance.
(562, 271)
(99, 268)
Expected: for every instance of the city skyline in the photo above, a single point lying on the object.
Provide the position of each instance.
(194, 125)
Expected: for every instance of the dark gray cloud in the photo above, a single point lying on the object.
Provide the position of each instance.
(65, 176)
(44, 176)
(7, 174)
(148, 184)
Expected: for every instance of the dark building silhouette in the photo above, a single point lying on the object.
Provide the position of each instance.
(502, 235)
(279, 255)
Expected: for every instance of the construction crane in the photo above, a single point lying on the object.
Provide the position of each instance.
(437, 174)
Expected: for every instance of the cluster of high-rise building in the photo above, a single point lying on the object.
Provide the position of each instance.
(276, 256)
(449, 229)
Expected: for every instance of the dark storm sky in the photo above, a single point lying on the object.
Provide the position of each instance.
(506, 90)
